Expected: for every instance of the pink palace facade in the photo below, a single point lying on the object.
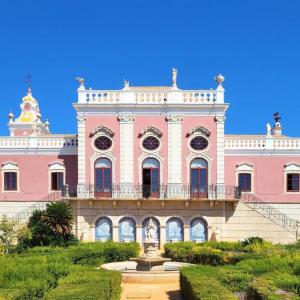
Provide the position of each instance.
(153, 151)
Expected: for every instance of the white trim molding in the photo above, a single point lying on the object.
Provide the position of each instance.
(246, 168)
(56, 167)
(10, 166)
(290, 168)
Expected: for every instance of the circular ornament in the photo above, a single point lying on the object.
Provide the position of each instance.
(103, 143)
(151, 143)
(199, 143)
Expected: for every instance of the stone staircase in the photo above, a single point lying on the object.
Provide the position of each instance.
(271, 213)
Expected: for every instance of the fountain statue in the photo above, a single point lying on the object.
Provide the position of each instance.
(150, 258)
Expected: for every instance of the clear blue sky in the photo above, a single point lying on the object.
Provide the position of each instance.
(255, 44)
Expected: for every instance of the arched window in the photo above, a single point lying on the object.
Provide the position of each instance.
(174, 230)
(156, 231)
(151, 178)
(198, 230)
(199, 178)
(103, 229)
(127, 230)
(103, 174)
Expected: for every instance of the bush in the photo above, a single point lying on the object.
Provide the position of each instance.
(62, 273)
(85, 283)
(202, 285)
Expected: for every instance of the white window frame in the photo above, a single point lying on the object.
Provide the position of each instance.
(10, 166)
(245, 168)
(55, 168)
(290, 168)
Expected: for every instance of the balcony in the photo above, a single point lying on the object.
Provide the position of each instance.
(146, 192)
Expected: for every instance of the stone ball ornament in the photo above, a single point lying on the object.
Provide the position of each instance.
(219, 79)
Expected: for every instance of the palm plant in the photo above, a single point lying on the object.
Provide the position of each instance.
(58, 218)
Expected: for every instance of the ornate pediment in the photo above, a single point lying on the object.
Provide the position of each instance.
(151, 130)
(104, 130)
(199, 129)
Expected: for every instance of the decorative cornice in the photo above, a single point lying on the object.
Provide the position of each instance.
(126, 118)
(220, 119)
(104, 130)
(152, 130)
(174, 118)
(81, 118)
(199, 129)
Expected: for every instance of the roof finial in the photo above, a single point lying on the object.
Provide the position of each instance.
(174, 77)
(219, 79)
(276, 117)
(28, 81)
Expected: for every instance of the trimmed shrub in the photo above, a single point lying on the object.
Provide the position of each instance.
(86, 283)
(202, 285)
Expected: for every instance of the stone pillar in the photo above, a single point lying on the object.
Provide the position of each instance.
(174, 156)
(139, 234)
(81, 157)
(115, 233)
(162, 236)
(220, 157)
(186, 233)
(126, 156)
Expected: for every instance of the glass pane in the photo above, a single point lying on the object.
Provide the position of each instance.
(199, 163)
(107, 180)
(60, 181)
(195, 181)
(103, 163)
(13, 181)
(150, 163)
(203, 180)
(99, 180)
(54, 181)
(154, 180)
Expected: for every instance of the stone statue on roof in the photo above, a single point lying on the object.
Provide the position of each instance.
(174, 77)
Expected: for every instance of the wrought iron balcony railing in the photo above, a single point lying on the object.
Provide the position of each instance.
(165, 191)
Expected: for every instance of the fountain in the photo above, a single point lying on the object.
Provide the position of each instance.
(149, 259)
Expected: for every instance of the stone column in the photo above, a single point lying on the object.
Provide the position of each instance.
(186, 233)
(220, 157)
(115, 233)
(162, 236)
(174, 156)
(81, 157)
(139, 232)
(126, 156)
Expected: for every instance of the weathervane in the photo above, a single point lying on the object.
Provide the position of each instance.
(28, 81)
(276, 117)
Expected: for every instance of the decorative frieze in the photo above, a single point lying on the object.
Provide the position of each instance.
(125, 118)
(199, 129)
(104, 130)
(151, 130)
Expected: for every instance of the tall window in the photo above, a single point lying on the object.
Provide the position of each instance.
(199, 178)
(10, 181)
(293, 182)
(245, 182)
(150, 178)
(57, 181)
(103, 178)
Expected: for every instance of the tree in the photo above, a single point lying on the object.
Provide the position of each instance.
(7, 233)
(58, 217)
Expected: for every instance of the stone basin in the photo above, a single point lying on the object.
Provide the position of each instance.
(147, 263)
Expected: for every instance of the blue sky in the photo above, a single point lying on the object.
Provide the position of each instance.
(254, 44)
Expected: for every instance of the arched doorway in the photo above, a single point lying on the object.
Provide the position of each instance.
(103, 229)
(198, 230)
(151, 175)
(127, 231)
(103, 174)
(199, 178)
(174, 230)
(156, 228)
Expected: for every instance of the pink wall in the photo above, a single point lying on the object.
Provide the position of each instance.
(188, 124)
(159, 122)
(112, 123)
(33, 176)
(268, 176)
